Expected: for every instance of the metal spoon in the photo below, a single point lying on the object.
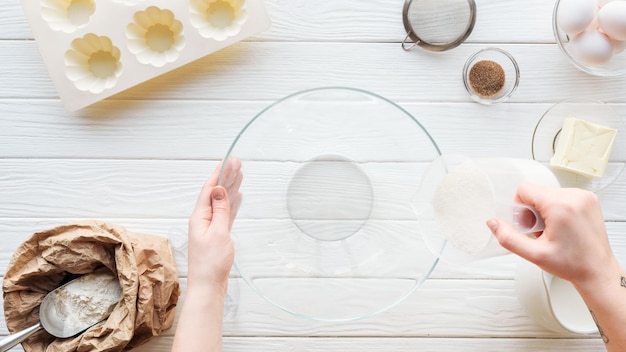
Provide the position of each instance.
(63, 313)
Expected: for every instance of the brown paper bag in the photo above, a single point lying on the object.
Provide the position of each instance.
(144, 265)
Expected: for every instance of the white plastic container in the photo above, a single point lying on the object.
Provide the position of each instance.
(552, 302)
(96, 48)
(459, 194)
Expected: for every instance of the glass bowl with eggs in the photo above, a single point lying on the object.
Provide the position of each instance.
(592, 34)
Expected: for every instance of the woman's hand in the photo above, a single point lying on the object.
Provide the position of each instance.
(210, 257)
(210, 249)
(575, 247)
(574, 244)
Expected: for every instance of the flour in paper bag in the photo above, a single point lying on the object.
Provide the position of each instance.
(87, 300)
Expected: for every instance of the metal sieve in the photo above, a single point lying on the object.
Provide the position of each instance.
(437, 25)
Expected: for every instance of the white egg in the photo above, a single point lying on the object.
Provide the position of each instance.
(604, 2)
(573, 16)
(618, 46)
(612, 19)
(594, 24)
(592, 48)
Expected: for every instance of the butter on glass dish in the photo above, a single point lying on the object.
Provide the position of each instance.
(583, 147)
(584, 141)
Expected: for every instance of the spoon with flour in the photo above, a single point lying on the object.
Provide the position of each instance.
(74, 307)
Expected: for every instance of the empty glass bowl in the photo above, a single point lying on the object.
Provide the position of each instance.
(614, 67)
(326, 230)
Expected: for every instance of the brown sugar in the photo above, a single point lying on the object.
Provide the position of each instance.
(486, 78)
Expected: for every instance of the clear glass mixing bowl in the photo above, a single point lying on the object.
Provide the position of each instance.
(326, 230)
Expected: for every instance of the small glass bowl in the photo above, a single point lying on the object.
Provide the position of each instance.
(511, 75)
(615, 67)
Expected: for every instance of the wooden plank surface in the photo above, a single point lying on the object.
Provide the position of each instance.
(204, 130)
(271, 70)
(13, 231)
(465, 309)
(354, 21)
(139, 158)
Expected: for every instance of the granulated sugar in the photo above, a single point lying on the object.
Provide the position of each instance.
(463, 202)
(87, 300)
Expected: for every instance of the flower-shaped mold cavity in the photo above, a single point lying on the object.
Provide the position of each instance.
(155, 36)
(67, 15)
(218, 19)
(128, 2)
(93, 63)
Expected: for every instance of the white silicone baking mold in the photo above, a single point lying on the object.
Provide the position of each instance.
(96, 48)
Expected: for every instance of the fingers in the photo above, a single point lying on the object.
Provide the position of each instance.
(236, 183)
(230, 178)
(203, 204)
(531, 194)
(235, 203)
(514, 241)
(221, 209)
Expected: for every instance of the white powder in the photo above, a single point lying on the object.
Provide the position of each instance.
(463, 202)
(87, 300)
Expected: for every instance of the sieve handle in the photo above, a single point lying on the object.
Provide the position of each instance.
(406, 41)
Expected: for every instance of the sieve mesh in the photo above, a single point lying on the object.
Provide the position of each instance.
(437, 25)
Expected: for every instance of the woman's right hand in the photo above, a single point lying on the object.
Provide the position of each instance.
(574, 244)
(575, 247)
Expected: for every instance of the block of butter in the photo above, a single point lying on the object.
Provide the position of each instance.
(583, 147)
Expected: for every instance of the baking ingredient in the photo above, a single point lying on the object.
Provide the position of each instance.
(596, 29)
(463, 202)
(583, 147)
(592, 48)
(87, 300)
(487, 78)
(594, 24)
(574, 16)
(612, 19)
(604, 2)
(618, 46)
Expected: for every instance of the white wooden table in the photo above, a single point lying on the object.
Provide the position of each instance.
(139, 158)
